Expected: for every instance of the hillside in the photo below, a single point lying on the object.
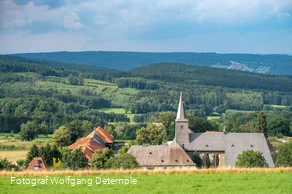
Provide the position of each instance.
(271, 64)
(49, 94)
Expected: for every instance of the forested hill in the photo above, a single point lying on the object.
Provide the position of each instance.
(270, 64)
(57, 64)
(197, 75)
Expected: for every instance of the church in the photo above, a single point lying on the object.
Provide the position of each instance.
(220, 148)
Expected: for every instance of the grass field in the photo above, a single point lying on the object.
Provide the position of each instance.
(13, 156)
(213, 117)
(118, 111)
(168, 181)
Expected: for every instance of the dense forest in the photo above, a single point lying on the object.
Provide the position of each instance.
(44, 95)
(272, 63)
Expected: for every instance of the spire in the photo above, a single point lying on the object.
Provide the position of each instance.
(181, 115)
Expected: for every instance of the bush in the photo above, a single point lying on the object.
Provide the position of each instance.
(20, 163)
(251, 159)
(284, 155)
(5, 164)
(123, 161)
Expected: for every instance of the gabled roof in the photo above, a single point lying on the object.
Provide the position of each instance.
(106, 136)
(181, 115)
(161, 155)
(232, 144)
(37, 164)
(96, 140)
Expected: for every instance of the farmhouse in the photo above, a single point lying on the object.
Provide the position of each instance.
(96, 140)
(220, 148)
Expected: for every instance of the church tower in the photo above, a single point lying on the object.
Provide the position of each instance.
(181, 124)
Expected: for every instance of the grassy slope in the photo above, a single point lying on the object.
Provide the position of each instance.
(118, 96)
(166, 183)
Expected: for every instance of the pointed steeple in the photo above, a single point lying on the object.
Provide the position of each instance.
(181, 114)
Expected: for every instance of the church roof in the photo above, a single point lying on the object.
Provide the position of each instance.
(232, 144)
(161, 155)
(181, 115)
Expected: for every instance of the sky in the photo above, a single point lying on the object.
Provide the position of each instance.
(222, 26)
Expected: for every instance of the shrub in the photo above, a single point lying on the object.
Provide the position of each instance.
(5, 164)
(251, 159)
(123, 161)
(284, 155)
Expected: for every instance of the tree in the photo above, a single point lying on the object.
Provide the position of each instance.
(111, 130)
(208, 161)
(77, 160)
(261, 125)
(167, 119)
(284, 155)
(44, 129)
(74, 130)
(65, 157)
(199, 124)
(251, 159)
(123, 161)
(197, 159)
(33, 152)
(152, 134)
(100, 157)
(61, 136)
(28, 131)
(46, 154)
(86, 127)
(55, 152)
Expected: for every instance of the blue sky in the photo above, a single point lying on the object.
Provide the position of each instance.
(223, 26)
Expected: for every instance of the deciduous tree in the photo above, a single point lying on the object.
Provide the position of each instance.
(251, 159)
(284, 155)
(61, 136)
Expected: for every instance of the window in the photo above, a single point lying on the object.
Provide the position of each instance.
(181, 126)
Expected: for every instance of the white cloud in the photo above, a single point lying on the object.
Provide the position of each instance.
(283, 15)
(72, 21)
(52, 41)
(118, 21)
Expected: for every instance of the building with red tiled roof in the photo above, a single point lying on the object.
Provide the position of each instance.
(96, 140)
(37, 164)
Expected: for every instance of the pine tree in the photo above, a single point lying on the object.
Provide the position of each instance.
(261, 125)
(46, 154)
(33, 152)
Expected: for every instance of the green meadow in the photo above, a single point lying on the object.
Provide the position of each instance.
(152, 183)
